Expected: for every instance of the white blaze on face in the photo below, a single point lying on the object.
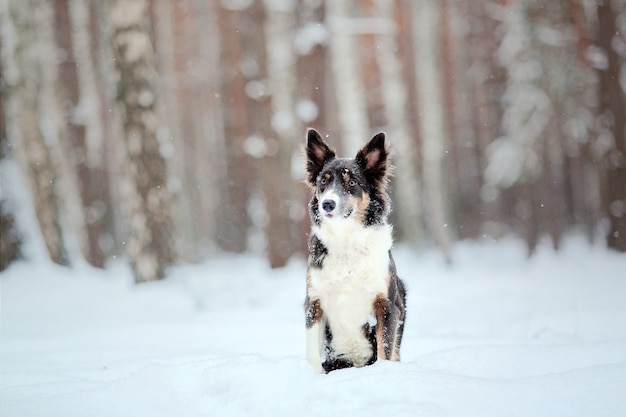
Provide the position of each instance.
(329, 203)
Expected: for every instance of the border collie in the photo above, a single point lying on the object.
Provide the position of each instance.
(355, 302)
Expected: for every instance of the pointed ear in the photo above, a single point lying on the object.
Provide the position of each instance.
(373, 157)
(317, 153)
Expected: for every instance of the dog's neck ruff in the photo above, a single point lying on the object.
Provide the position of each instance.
(351, 238)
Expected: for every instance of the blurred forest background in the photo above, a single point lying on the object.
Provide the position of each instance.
(170, 131)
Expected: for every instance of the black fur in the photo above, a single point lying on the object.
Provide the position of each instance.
(333, 362)
(356, 184)
(318, 154)
(396, 312)
(317, 251)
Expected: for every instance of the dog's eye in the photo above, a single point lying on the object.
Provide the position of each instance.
(352, 183)
(323, 181)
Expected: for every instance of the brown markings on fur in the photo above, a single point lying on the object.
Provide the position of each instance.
(380, 309)
(362, 205)
(314, 313)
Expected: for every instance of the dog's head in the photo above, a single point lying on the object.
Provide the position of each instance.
(348, 188)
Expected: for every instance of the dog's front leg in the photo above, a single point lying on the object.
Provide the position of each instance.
(381, 311)
(389, 327)
(314, 334)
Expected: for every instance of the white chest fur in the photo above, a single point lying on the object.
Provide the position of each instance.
(354, 272)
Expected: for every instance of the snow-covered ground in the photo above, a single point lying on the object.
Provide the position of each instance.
(491, 335)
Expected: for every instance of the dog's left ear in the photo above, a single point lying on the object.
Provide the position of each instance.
(373, 157)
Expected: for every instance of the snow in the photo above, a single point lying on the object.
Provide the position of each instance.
(307, 110)
(255, 146)
(493, 334)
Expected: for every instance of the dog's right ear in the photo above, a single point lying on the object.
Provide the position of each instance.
(318, 153)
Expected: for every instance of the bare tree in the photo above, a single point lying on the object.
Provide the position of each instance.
(82, 123)
(150, 247)
(613, 114)
(581, 104)
(348, 82)
(430, 104)
(10, 241)
(394, 94)
(281, 197)
(187, 43)
(32, 130)
(234, 223)
(311, 43)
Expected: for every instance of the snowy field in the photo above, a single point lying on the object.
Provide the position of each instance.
(491, 335)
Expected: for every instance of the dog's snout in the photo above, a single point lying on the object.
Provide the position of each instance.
(328, 205)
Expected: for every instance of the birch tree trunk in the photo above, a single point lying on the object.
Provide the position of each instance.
(430, 104)
(394, 94)
(347, 73)
(150, 247)
(32, 129)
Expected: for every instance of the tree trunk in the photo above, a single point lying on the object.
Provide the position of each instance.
(315, 96)
(394, 95)
(347, 73)
(430, 104)
(10, 241)
(32, 129)
(281, 199)
(92, 173)
(150, 246)
(105, 137)
(613, 116)
(80, 106)
(484, 84)
(188, 46)
(583, 173)
(234, 223)
(311, 46)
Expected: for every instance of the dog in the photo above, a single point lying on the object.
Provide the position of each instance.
(355, 303)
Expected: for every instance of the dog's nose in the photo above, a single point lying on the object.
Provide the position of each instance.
(329, 205)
